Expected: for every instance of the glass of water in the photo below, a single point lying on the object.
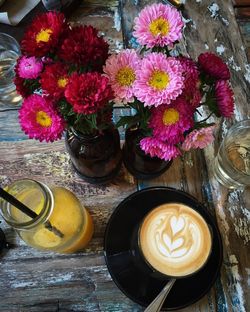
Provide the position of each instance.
(232, 163)
(9, 53)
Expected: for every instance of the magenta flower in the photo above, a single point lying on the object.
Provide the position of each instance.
(191, 92)
(158, 25)
(29, 67)
(121, 70)
(156, 148)
(39, 120)
(159, 80)
(198, 138)
(224, 98)
(214, 66)
(169, 122)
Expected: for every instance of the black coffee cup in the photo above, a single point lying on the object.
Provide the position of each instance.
(143, 262)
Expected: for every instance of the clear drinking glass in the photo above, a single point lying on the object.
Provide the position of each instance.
(9, 53)
(232, 163)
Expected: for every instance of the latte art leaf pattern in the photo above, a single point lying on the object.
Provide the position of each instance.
(173, 236)
(175, 239)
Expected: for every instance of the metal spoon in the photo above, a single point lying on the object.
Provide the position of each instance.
(156, 304)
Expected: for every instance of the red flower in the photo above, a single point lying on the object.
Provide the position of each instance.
(83, 47)
(224, 98)
(214, 66)
(43, 34)
(88, 93)
(54, 80)
(21, 88)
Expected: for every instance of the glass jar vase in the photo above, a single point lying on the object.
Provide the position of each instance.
(96, 158)
(139, 164)
(62, 224)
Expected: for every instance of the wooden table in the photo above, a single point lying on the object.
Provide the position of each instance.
(41, 281)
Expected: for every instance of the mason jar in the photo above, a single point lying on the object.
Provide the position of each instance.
(62, 223)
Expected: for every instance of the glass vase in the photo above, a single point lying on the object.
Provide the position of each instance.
(96, 157)
(139, 164)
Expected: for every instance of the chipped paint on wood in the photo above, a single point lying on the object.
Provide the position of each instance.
(247, 74)
(220, 49)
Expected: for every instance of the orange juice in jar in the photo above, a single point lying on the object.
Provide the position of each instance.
(71, 222)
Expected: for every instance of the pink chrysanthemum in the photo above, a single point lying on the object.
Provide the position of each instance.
(159, 80)
(214, 66)
(156, 148)
(39, 120)
(191, 92)
(198, 138)
(224, 98)
(29, 67)
(121, 70)
(54, 80)
(158, 25)
(24, 87)
(169, 122)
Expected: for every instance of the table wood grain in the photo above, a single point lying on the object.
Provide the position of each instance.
(31, 280)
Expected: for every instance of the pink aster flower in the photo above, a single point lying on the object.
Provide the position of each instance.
(159, 80)
(156, 148)
(158, 25)
(39, 120)
(191, 92)
(198, 138)
(214, 66)
(169, 122)
(224, 98)
(121, 70)
(29, 67)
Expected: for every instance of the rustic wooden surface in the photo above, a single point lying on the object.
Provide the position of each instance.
(38, 281)
(242, 12)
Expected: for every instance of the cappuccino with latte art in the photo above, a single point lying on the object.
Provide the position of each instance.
(175, 240)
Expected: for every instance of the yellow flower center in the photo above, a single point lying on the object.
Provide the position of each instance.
(125, 76)
(61, 82)
(159, 26)
(159, 80)
(43, 119)
(170, 116)
(201, 137)
(43, 35)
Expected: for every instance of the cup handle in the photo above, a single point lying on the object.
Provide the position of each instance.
(156, 304)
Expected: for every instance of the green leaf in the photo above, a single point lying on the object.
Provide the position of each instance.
(203, 125)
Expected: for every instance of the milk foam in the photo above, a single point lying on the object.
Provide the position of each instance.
(175, 239)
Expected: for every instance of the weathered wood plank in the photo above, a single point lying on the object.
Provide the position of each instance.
(193, 172)
(9, 126)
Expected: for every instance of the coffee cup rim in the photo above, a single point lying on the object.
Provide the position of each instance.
(163, 275)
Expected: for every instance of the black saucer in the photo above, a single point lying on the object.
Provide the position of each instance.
(120, 258)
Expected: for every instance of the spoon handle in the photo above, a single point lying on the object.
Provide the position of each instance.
(156, 304)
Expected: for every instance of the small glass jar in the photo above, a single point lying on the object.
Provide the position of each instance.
(97, 158)
(70, 225)
(139, 164)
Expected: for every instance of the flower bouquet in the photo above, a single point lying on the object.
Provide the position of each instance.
(61, 79)
(167, 93)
